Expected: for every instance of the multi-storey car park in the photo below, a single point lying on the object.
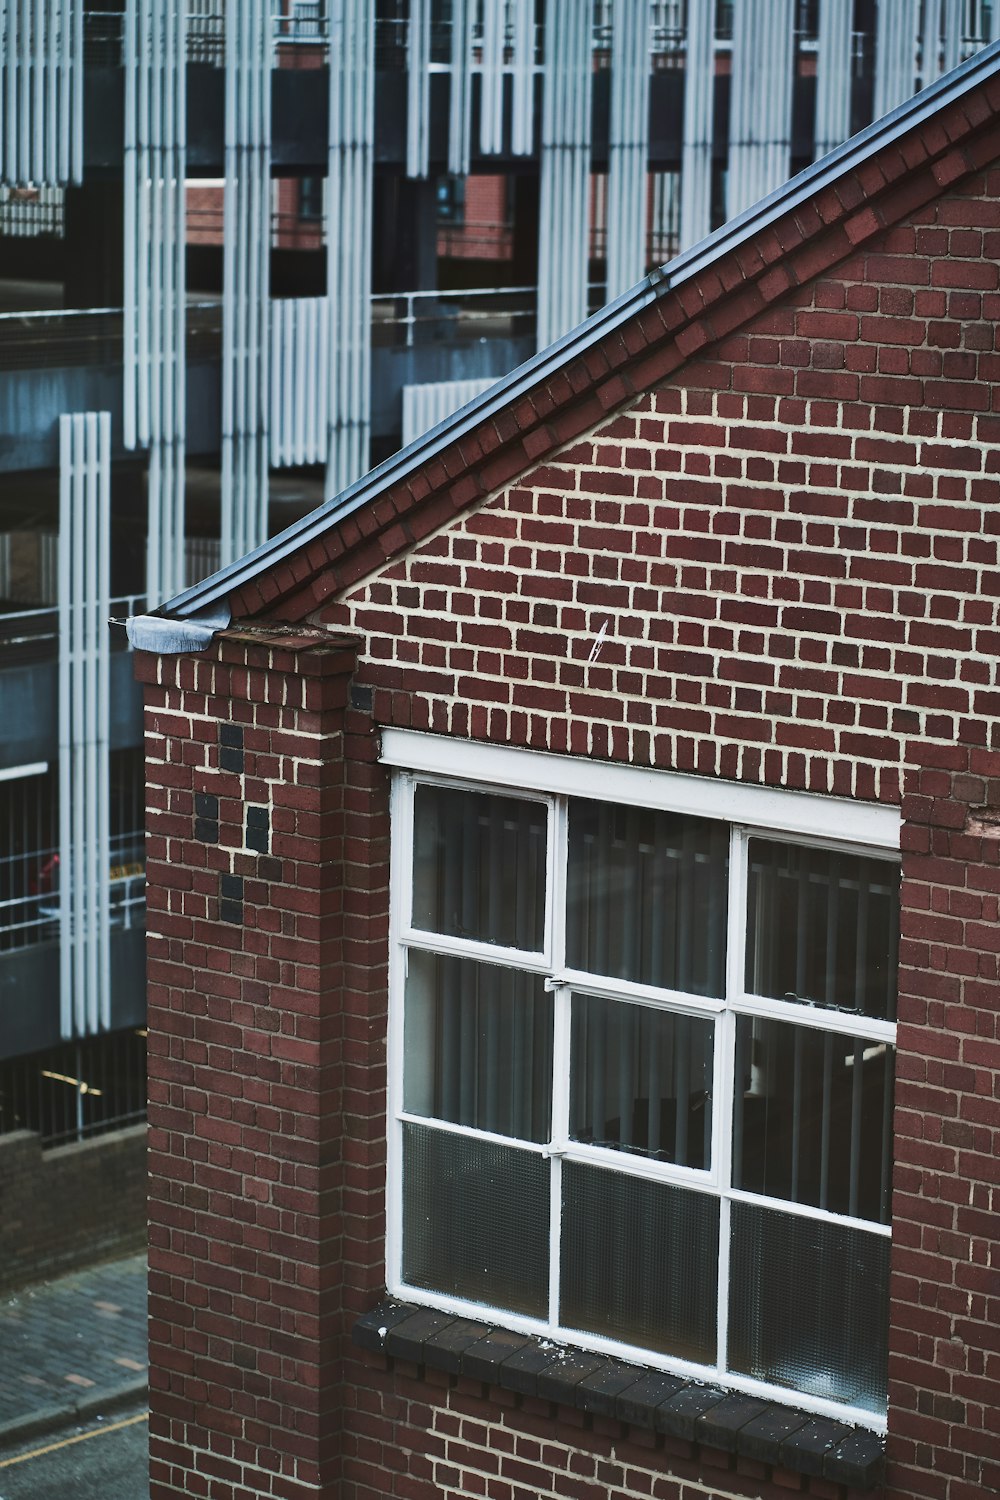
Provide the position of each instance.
(245, 252)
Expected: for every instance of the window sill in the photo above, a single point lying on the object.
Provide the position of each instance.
(706, 1416)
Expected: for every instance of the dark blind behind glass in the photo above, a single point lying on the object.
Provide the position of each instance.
(479, 866)
(641, 1080)
(823, 927)
(647, 895)
(478, 1046)
(812, 1118)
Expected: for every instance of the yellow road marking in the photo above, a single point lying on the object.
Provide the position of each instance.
(81, 1437)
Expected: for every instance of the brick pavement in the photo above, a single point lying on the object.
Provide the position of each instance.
(71, 1343)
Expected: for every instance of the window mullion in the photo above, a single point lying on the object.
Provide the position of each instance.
(725, 1072)
(561, 1021)
(400, 902)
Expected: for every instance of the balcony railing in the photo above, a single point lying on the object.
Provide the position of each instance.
(31, 634)
(78, 1089)
(66, 339)
(30, 892)
(70, 337)
(405, 319)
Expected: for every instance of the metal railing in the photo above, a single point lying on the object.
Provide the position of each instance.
(30, 896)
(205, 225)
(59, 339)
(65, 338)
(404, 319)
(78, 1089)
(34, 632)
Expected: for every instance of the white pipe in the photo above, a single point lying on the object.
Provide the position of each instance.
(523, 89)
(565, 169)
(418, 88)
(833, 75)
(494, 29)
(896, 31)
(460, 106)
(246, 398)
(628, 145)
(349, 214)
(760, 114)
(65, 726)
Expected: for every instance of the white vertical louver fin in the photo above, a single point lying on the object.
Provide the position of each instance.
(84, 717)
(699, 100)
(460, 103)
(494, 40)
(941, 42)
(246, 277)
(41, 92)
(349, 220)
(628, 144)
(563, 241)
(760, 109)
(833, 75)
(418, 89)
(300, 373)
(954, 33)
(154, 274)
(522, 120)
(424, 406)
(897, 27)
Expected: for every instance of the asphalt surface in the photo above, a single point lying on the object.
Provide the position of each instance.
(106, 1460)
(78, 1339)
(73, 1386)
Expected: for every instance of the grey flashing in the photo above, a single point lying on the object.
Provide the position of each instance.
(785, 199)
(165, 635)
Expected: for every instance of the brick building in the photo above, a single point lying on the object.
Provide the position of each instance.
(553, 1088)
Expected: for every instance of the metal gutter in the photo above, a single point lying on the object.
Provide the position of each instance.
(785, 199)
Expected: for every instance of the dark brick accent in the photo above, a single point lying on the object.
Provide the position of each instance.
(258, 829)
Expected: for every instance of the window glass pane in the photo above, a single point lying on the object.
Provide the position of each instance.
(475, 1220)
(639, 1261)
(478, 1045)
(808, 1305)
(823, 927)
(646, 896)
(812, 1117)
(479, 866)
(641, 1080)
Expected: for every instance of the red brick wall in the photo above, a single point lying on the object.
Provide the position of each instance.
(247, 1039)
(484, 231)
(792, 546)
(793, 549)
(71, 1206)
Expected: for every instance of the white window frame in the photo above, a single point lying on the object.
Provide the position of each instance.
(751, 812)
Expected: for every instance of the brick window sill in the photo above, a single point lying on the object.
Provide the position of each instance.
(705, 1416)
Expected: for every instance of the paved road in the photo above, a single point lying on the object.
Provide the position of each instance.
(80, 1337)
(100, 1461)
